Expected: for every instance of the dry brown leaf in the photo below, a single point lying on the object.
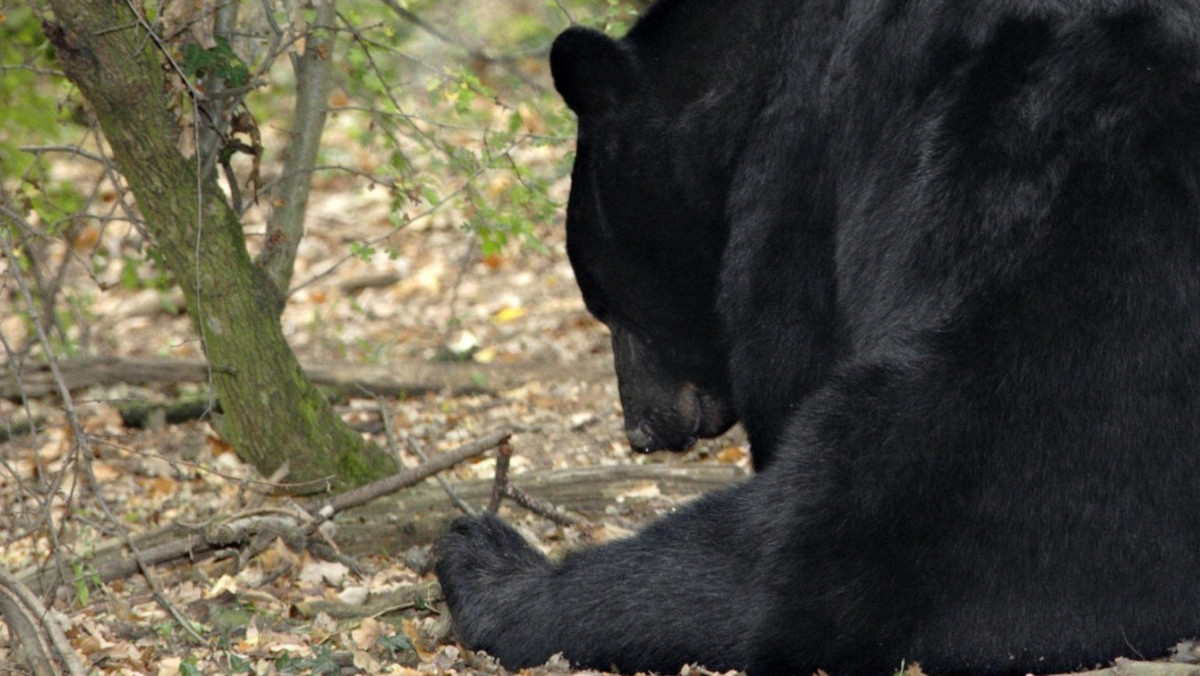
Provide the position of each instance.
(249, 642)
(224, 584)
(731, 455)
(168, 666)
(367, 634)
(86, 238)
(161, 486)
(279, 556)
(217, 446)
(412, 632)
(366, 663)
(104, 472)
(323, 627)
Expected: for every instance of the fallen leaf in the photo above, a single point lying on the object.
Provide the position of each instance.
(324, 572)
(508, 314)
(169, 666)
(162, 486)
(354, 596)
(223, 584)
(367, 634)
(366, 663)
(217, 446)
(731, 455)
(104, 472)
(250, 640)
(323, 626)
(86, 238)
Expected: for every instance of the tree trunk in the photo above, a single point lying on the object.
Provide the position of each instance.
(272, 413)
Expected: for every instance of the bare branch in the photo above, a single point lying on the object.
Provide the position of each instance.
(503, 459)
(38, 632)
(454, 496)
(70, 150)
(412, 476)
(285, 227)
(542, 508)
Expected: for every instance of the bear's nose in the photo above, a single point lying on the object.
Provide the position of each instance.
(641, 439)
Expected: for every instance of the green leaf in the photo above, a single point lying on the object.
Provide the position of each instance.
(219, 61)
(189, 667)
(362, 250)
(396, 645)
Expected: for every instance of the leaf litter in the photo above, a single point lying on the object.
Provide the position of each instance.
(286, 611)
(428, 293)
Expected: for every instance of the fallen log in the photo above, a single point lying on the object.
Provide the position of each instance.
(391, 524)
(420, 515)
(395, 379)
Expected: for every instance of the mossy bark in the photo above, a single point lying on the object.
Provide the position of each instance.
(272, 413)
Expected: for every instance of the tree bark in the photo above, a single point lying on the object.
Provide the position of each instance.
(272, 412)
(285, 227)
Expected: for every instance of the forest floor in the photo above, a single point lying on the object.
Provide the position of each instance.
(438, 296)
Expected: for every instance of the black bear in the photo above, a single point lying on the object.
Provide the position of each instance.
(943, 259)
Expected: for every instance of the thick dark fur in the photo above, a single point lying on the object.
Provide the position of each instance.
(943, 258)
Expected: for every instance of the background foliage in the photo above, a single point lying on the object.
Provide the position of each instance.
(436, 103)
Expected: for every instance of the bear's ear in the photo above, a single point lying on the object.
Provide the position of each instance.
(591, 71)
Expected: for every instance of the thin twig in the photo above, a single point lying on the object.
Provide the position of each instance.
(70, 150)
(563, 8)
(500, 482)
(543, 508)
(472, 52)
(454, 496)
(19, 221)
(503, 488)
(82, 450)
(68, 405)
(364, 494)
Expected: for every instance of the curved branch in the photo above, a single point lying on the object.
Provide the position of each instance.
(42, 639)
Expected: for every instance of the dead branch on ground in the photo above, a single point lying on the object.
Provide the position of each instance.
(42, 643)
(391, 524)
(254, 528)
(394, 379)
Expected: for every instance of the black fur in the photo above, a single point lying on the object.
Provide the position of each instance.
(943, 259)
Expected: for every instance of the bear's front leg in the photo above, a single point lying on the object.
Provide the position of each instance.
(682, 591)
(495, 584)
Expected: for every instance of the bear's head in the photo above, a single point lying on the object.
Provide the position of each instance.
(645, 238)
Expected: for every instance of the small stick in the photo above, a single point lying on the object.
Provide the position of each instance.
(454, 496)
(416, 449)
(500, 483)
(410, 477)
(543, 508)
